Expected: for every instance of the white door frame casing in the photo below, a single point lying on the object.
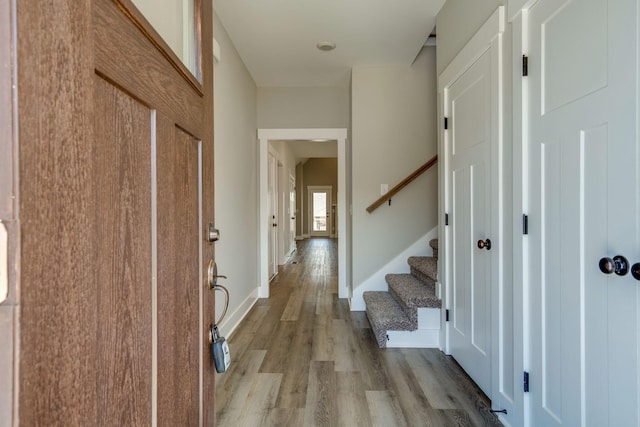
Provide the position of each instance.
(331, 134)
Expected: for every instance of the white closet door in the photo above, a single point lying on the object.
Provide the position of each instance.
(272, 221)
(583, 153)
(469, 101)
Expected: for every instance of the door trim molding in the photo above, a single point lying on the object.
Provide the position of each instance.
(334, 134)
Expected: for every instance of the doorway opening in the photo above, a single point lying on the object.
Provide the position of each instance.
(344, 243)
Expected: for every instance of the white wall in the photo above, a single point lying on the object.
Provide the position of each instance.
(457, 22)
(393, 133)
(303, 107)
(236, 166)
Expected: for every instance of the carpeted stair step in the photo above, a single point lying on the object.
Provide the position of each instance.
(411, 294)
(424, 268)
(434, 245)
(385, 314)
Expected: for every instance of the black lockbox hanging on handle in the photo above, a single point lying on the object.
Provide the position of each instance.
(219, 350)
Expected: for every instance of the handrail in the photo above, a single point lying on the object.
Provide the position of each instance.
(389, 194)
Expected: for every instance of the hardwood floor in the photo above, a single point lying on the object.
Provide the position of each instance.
(302, 358)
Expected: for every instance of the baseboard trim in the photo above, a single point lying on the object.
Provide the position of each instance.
(288, 257)
(228, 327)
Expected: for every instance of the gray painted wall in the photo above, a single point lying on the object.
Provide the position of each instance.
(236, 168)
(393, 133)
(303, 107)
(457, 22)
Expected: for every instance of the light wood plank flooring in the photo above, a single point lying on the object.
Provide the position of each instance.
(301, 358)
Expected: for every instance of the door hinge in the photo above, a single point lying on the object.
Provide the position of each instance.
(446, 315)
(446, 123)
(446, 219)
(526, 382)
(525, 224)
(525, 65)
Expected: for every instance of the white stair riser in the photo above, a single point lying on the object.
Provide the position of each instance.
(421, 338)
(428, 318)
(426, 336)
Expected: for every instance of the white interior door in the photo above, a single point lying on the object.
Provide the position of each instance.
(273, 215)
(292, 213)
(583, 153)
(319, 200)
(469, 106)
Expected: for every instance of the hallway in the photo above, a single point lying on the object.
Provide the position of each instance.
(302, 358)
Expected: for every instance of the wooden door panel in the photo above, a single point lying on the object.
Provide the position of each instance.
(179, 285)
(109, 335)
(57, 312)
(149, 77)
(123, 280)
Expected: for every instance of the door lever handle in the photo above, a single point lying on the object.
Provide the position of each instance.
(212, 275)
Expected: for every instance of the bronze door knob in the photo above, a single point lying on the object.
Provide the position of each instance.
(484, 244)
(618, 265)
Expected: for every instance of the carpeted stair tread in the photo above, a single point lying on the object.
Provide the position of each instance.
(426, 267)
(412, 293)
(385, 314)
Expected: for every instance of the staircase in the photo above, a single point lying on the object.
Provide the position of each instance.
(408, 315)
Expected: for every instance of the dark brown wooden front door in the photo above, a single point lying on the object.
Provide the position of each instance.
(115, 191)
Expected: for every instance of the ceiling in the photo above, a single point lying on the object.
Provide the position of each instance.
(277, 38)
